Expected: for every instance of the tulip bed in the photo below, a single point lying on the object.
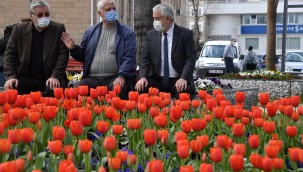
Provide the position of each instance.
(94, 130)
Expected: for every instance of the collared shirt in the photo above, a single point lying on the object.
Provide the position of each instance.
(172, 71)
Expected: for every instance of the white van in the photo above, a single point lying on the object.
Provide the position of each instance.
(210, 61)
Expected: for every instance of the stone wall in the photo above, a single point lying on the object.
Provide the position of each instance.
(276, 89)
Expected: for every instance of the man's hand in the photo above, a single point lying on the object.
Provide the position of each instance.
(181, 85)
(68, 41)
(141, 84)
(11, 84)
(53, 83)
(119, 81)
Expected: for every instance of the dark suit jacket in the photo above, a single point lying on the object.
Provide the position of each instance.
(18, 52)
(183, 54)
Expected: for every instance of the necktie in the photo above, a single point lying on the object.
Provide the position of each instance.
(166, 67)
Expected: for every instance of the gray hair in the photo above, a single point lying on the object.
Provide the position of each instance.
(166, 10)
(38, 3)
(101, 3)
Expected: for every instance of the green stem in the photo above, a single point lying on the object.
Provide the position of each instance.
(87, 162)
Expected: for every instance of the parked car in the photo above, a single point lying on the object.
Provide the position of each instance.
(210, 61)
(294, 61)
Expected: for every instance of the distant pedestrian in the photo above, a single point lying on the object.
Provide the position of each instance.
(228, 56)
(250, 59)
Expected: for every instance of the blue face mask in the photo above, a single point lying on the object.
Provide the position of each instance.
(111, 16)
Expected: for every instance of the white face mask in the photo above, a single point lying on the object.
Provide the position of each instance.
(158, 25)
(43, 22)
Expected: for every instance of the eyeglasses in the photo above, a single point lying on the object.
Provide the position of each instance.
(39, 15)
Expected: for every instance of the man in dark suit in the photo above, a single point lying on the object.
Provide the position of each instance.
(36, 58)
(168, 59)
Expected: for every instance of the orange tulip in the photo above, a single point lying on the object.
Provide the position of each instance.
(86, 117)
(271, 109)
(269, 126)
(6, 145)
(3, 98)
(58, 93)
(291, 131)
(85, 145)
(183, 151)
(103, 126)
(240, 149)
(217, 91)
(154, 111)
(210, 104)
(202, 94)
(83, 90)
(222, 140)
(263, 98)
(236, 162)
(55, 147)
(294, 154)
(58, 133)
(109, 143)
(204, 139)
(295, 100)
(76, 128)
(195, 146)
(117, 129)
(272, 151)
(245, 120)
(35, 96)
(198, 123)
(278, 163)
(67, 166)
(150, 137)
(133, 124)
(187, 168)
(186, 126)
(240, 97)
(267, 163)
(195, 103)
(208, 117)
(163, 136)
(219, 98)
(26, 135)
(114, 163)
(238, 129)
(254, 141)
(176, 112)
(218, 112)
(216, 154)
(102, 90)
(117, 89)
(204, 167)
(14, 136)
(184, 96)
(277, 143)
(67, 149)
(11, 96)
(256, 160)
(258, 122)
(141, 107)
(50, 112)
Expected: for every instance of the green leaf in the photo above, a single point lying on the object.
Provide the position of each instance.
(40, 160)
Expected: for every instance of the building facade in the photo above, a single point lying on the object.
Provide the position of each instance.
(246, 20)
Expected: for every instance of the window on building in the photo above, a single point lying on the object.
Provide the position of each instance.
(300, 18)
(291, 18)
(291, 43)
(200, 12)
(246, 19)
(252, 42)
(261, 19)
(192, 12)
(279, 19)
(200, 27)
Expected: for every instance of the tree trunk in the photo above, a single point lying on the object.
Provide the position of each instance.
(143, 20)
(271, 34)
(196, 24)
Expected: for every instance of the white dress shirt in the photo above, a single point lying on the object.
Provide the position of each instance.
(172, 71)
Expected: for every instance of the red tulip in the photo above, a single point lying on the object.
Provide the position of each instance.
(33, 117)
(3, 98)
(141, 107)
(258, 122)
(277, 143)
(85, 145)
(238, 129)
(150, 137)
(291, 131)
(254, 141)
(184, 96)
(155, 166)
(176, 112)
(67, 149)
(216, 154)
(222, 140)
(271, 109)
(58, 93)
(160, 120)
(14, 135)
(122, 155)
(180, 136)
(263, 98)
(256, 160)
(210, 104)
(83, 90)
(195, 103)
(163, 136)
(218, 112)
(131, 159)
(67, 166)
(295, 100)
(103, 126)
(236, 162)
(272, 151)
(117, 129)
(117, 89)
(133, 124)
(55, 147)
(240, 97)
(186, 126)
(109, 143)
(133, 96)
(294, 154)
(195, 146)
(183, 151)
(187, 168)
(76, 128)
(198, 123)
(278, 163)
(267, 163)
(204, 167)
(5, 146)
(58, 133)
(240, 149)
(11, 96)
(35, 96)
(86, 117)
(50, 112)
(204, 139)
(269, 126)
(27, 135)
(102, 90)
